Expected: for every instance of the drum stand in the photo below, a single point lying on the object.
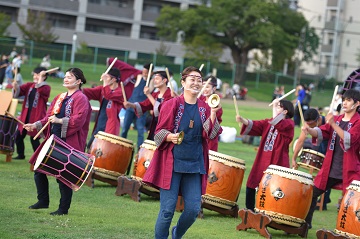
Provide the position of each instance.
(231, 212)
(133, 188)
(8, 155)
(260, 222)
(326, 234)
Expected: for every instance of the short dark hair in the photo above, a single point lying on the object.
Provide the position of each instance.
(311, 114)
(287, 105)
(213, 80)
(115, 72)
(162, 73)
(78, 73)
(352, 94)
(147, 66)
(39, 69)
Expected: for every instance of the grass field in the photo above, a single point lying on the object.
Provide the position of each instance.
(98, 213)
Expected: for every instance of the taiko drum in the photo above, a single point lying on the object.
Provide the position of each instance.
(112, 153)
(285, 195)
(348, 221)
(146, 152)
(311, 159)
(225, 177)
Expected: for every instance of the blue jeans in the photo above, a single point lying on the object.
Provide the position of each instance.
(140, 125)
(190, 186)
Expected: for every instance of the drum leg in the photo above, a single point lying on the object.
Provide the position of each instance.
(260, 221)
(9, 157)
(326, 234)
(128, 186)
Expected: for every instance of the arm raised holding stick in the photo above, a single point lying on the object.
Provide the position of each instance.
(236, 109)
(110, 66)
(333, 99)
(282, 97)
(123, 91)
(149, 75)
(204, 86)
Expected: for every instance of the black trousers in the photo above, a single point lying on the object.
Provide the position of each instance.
(20, 147)
(250, 198)
(42, 187)
(316, 193)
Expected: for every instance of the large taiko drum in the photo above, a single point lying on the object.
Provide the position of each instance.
(311, 159)
(8, 127)
(113, 155)
(142, 162)
(285, 195)
(57, 158)
(225, 178)
(348, 221)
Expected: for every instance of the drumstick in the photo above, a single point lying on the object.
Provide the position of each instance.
(9, 114)
(203, 88)
(333, 99)
(42, 129)
(15, 76)
(51, 70)
(123, 91)
(111, 65)
(282, 97)
(301, 113)
(168, 76)
(149, 75)
(202, 65)
(236, 108)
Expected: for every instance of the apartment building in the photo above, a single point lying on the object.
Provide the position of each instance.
(127, 25)
(337, 22)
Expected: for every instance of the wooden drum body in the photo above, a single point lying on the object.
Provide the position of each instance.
(113, 154)
(225, 178)
(285, 195)
(146, 152)
(348, 221)
(311, 159)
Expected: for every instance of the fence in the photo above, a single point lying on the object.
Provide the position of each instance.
(94, 55)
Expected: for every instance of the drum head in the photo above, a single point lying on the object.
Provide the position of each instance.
(313, 152)
(43, 151)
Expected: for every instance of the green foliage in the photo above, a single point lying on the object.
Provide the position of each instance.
(37, 29)
(241, 25)
(5, 22)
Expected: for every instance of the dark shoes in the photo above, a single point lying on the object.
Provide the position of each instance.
(58, 213)
(38, 205)
(19, 157)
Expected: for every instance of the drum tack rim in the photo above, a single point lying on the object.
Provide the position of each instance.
(219, 202)
(114, 139)
(314, 152)
(227, 160)
(148, 144)
(107, 173)
(354, 185)
(300, 176)
(347, 234)
(282, 218)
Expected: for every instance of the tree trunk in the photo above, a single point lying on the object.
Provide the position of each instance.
(240, 60)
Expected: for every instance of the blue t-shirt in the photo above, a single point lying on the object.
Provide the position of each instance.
(188, 156)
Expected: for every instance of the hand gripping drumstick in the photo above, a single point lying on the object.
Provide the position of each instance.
(301, 112)
(51, 70)
(203, 88)
(123, 91)
(236, 108)
(168, 76)
(333, 99)
(149, 75)
(111, 65)
(42, 129)
(282, 97)
(9, 114)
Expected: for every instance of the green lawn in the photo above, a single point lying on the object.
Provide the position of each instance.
(98, 213)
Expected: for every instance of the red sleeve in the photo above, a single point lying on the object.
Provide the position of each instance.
(114, 95)
(93, 93)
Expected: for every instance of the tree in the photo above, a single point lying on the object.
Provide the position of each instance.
(5, 22)
(240, 25)
(37, 29)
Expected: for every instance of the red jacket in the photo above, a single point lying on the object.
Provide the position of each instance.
(273, 148)
(115, 98)
(128, 75)
(159, 173)
(39, 106)
(351, 147)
